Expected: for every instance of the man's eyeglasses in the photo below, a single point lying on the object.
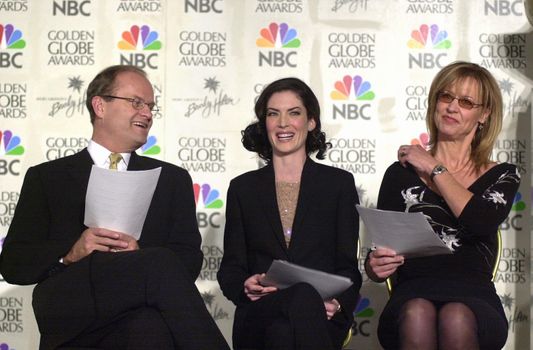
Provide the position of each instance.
(447, 97)
(136, 103)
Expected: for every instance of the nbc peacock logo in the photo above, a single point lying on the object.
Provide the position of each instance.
(279, 36)
(362, 93)
(11, 38)
(362, 309)
(514, 220)
(5, 346)
(130, 39)
(422, 140)
(518, 203)
(362, 314)
(150, 148)
(210, 200)
(362, 90)
(431, 40)
(429, 37)
(9, 144)
(276, 37)
(210, 196)
(140, 45)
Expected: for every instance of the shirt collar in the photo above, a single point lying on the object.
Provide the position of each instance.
(100, 156)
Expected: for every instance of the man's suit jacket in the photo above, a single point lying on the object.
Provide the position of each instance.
(324, 233)
(49, 219)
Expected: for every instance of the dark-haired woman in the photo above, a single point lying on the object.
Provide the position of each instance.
(292, 209)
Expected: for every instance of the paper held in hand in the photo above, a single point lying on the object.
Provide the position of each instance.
(408, 234)
(119, 200)
(283, 274)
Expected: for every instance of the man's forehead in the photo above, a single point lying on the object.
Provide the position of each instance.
(133, 81)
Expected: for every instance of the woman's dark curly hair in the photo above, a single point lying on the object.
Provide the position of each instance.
(255, 138)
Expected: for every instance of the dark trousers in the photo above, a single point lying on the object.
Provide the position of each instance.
(142, 299)
(292, 318)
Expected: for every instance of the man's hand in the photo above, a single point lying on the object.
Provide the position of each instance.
(99, 239)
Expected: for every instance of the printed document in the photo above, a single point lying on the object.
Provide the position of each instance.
(408, 234)
(283, 274)
(119, 200)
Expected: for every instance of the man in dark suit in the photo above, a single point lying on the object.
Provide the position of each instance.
(97, 287)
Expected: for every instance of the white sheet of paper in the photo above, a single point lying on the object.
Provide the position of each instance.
(119, 200)
(409, 234)
(283, 274)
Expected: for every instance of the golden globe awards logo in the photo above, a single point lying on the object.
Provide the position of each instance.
(351, 50)
(58, 147)
(279, 6)
(211, 262)
(8, 202)
(207, 49)
(354, 155)
(14, 5)
(512, 151)
(416, 102)
(512, 266)
(202, 154)
(13, 100)
(137, 6)
(502, 51)
(429, 7)
(11, 314)
(71, 47)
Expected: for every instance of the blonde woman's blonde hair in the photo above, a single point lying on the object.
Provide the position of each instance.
(490, 98)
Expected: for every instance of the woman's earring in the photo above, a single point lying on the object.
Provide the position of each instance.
(480, 126)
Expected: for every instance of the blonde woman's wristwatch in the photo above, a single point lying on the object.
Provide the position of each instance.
(437, 170)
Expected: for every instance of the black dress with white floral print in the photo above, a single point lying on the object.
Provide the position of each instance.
(464, 276)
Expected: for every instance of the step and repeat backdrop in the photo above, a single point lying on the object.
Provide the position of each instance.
(370, 62)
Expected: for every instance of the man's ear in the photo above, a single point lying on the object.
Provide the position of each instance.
(98, 106)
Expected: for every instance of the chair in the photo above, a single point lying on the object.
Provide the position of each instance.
(348, 338)
(391, 280)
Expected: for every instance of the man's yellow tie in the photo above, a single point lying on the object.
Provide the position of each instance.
(114, 158)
